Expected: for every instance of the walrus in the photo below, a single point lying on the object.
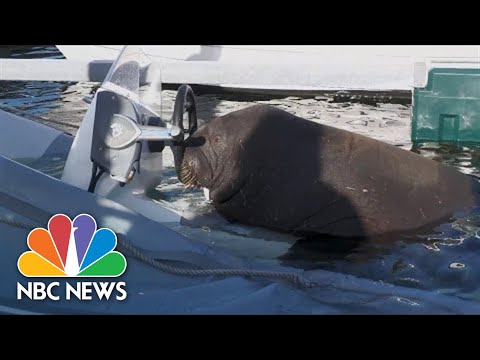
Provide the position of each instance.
(266, 167)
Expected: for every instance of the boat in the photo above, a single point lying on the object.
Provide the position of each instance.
(307, 68)
(105, 171)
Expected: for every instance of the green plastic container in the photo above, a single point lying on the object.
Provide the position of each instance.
(447, 110)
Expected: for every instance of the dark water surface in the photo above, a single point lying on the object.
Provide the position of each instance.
(448, 262)
(34, 96)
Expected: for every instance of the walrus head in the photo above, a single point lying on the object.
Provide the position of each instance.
(212, 158)
(205, 160)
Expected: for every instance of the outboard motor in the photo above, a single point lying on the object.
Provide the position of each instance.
(122, 136)
(122, 127)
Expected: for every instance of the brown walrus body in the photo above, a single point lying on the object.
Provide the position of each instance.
(266, 167)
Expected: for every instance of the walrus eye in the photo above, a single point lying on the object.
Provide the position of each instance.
(218, 142)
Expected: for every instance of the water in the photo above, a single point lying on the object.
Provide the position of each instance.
(36, 97)
(447, 262)
(61, 101)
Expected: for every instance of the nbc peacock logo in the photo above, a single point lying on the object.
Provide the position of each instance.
(72, 249)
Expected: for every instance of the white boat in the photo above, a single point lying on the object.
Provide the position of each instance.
(191, 274)
(299, 68)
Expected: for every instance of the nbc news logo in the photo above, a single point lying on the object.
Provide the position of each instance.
(72, 249)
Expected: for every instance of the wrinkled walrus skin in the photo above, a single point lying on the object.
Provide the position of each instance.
(266, 167)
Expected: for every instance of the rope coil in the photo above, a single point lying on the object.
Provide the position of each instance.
(294, 278)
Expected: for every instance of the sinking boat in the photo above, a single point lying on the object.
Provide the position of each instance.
(105, 171)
